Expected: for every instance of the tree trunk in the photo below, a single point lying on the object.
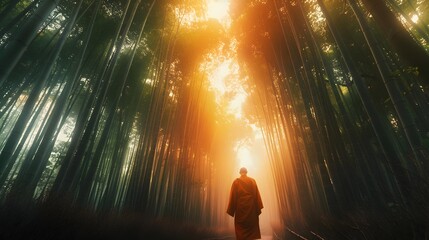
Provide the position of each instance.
(408, 49)
(20, 40)
(31, 175)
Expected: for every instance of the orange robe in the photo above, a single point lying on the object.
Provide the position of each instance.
(245, 204)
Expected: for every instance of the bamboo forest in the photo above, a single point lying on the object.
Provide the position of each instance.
(130, 119)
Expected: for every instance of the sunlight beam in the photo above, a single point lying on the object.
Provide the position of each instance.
(245, 158)
(218, 9)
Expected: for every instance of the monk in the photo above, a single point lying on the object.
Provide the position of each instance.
(245, 204)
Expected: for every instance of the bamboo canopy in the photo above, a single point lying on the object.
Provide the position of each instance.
(152, 106)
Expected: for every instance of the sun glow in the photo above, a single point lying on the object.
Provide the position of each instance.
(238, 142)
(218, 9)
(215, 9)
(224, 81)
(236, 104)
(218, 76)
(415, 18)
(245, 158)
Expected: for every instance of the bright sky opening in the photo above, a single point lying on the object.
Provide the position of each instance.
(236, 104)
(245, 158)
(218, 9)
(222, 70)
(218, 76)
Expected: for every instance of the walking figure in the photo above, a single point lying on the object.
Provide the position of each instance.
(245, 206)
